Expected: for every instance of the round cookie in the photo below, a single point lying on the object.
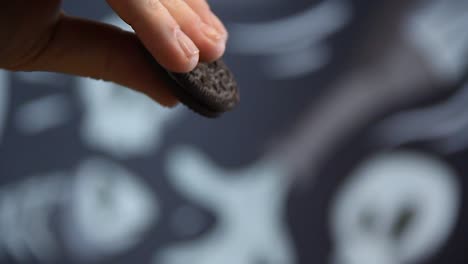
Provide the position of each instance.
(210, 89)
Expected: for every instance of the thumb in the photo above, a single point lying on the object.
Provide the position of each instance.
(92, 49)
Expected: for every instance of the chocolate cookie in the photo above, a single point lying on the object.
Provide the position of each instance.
(210, 89)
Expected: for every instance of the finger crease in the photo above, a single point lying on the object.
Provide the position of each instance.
(38, 49)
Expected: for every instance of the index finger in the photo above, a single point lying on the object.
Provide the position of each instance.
(159, 32)
(203, 9)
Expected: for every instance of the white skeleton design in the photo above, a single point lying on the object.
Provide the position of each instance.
(248, 203)
(396, 208)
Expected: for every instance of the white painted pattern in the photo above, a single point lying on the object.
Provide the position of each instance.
(438, 30)
(248, 203)
(395, 208)
(43, 113)
(110, 209)
(294, 45)
(25, 214)
(120, 121)
(107, 209)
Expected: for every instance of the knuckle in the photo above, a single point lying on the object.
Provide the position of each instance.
(175, 4)
(31, 53)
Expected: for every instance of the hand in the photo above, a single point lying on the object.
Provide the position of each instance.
(38, 36)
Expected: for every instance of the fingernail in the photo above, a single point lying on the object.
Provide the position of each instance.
(186, 44)
(211, 32)
(219, 25)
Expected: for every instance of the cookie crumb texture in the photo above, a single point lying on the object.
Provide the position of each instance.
(210, 89)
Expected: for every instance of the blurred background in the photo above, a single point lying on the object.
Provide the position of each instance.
(350, 145)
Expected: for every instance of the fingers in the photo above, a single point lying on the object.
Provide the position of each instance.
(202, 8)
(177, 33)
(159, 32)
(100, 51)
(154, 21)
(208, 38)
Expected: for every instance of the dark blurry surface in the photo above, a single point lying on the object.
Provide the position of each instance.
(349, 146)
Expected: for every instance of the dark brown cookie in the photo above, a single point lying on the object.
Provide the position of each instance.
(210, 89)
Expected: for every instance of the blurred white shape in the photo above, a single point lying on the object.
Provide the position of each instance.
(110, 209)
(301, 62)
(445, 123)
(292, 37)
(12, 239)
(38, 201)
(25, 217)
(122, 122)
(42, 114)
(397, 207)
(438, 29)
(249, 206)
(312, 25)
(118, 120)
(4, 97)
(45, 78)
(106, 211)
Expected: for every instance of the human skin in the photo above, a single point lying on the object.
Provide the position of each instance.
(39, 36)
